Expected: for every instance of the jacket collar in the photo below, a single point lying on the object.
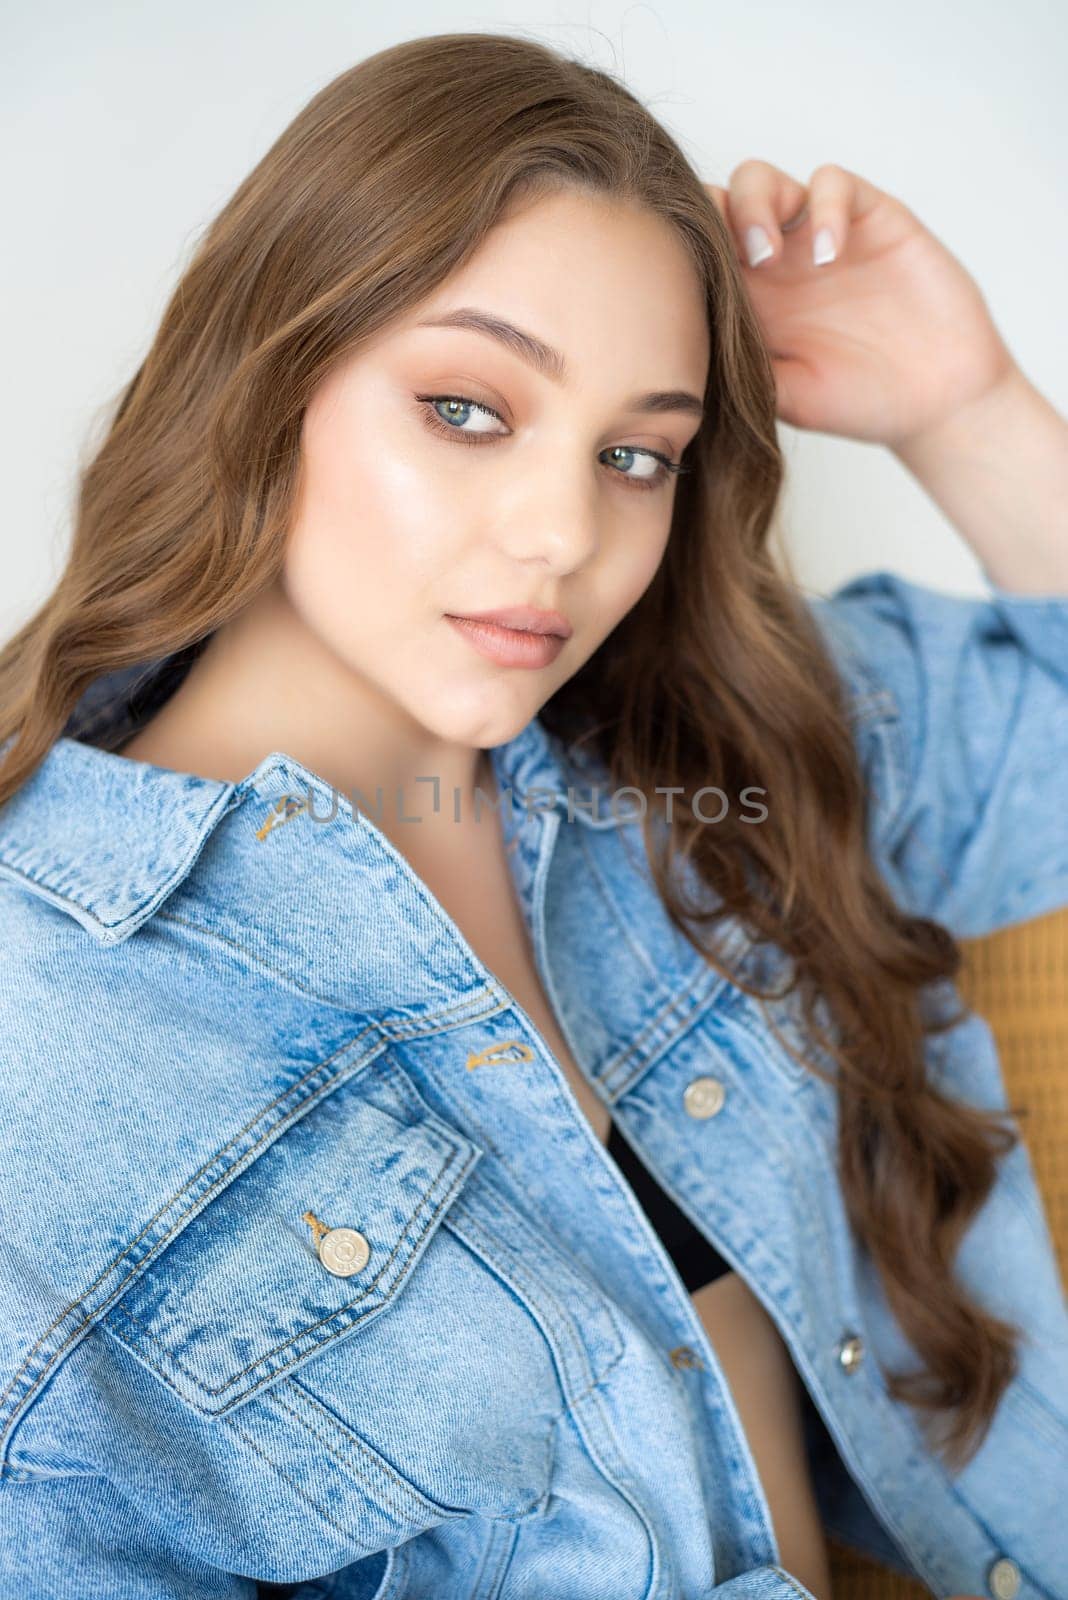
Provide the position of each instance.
(107, 839)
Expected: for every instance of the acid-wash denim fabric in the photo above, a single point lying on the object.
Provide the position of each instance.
(231, 1009)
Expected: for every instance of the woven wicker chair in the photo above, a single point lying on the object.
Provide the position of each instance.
(1017, 979)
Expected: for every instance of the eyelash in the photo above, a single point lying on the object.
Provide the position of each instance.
(668, 468)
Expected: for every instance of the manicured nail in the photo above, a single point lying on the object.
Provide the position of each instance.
(823, 247)
(758, 247)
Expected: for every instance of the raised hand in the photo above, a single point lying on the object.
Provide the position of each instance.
(884, 341)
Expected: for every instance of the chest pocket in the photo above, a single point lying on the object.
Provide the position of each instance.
(374, 1393)
(311, 1242)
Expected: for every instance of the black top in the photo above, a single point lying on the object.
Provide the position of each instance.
(696, 1261)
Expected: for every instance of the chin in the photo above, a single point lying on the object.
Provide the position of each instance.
(479, 714)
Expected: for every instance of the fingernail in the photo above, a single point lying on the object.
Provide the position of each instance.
(823, 247)
(758, 247)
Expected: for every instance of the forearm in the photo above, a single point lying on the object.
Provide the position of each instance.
(999, 471)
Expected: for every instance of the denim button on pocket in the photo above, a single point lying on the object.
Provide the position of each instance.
(343, 1251)
(704, 1097)
(1003, 1579)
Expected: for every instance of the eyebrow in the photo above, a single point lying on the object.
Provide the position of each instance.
(548, 361)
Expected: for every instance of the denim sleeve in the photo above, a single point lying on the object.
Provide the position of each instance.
(962, 728)
(66, 1538)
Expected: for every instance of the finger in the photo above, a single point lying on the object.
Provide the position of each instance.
(795, 221)
(837, 198)
(761, 199)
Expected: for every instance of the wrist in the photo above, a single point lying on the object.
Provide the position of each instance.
(998, 469)
(1006, 408)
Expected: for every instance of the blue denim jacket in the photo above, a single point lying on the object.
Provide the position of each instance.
(311, 1262)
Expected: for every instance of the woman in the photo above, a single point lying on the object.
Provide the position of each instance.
(317, 1264)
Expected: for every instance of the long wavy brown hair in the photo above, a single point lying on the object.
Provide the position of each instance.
(383, 185)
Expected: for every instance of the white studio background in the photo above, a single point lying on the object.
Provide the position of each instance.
(125, 126)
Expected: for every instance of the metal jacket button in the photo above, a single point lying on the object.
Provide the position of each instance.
(342, 1251)
(1003, 1579)
(851, 1353)
(703, 1097)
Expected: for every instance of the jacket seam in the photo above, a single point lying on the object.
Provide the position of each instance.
(544, 1309)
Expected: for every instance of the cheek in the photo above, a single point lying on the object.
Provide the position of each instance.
(635, 566)
(622, 578)
(377, 524)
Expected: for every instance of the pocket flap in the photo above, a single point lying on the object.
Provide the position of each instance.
(246, 1292)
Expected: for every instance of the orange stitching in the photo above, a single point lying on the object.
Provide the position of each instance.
(282, 810)
(317, 1227)
(502, 1051)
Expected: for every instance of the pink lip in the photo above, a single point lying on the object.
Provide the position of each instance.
(509, 647)
(524, 619)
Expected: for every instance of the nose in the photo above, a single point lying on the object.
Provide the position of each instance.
(552, 517)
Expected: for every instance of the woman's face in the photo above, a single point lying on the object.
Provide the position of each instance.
(446, 471)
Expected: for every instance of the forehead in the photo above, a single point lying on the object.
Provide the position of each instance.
(609, 284)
